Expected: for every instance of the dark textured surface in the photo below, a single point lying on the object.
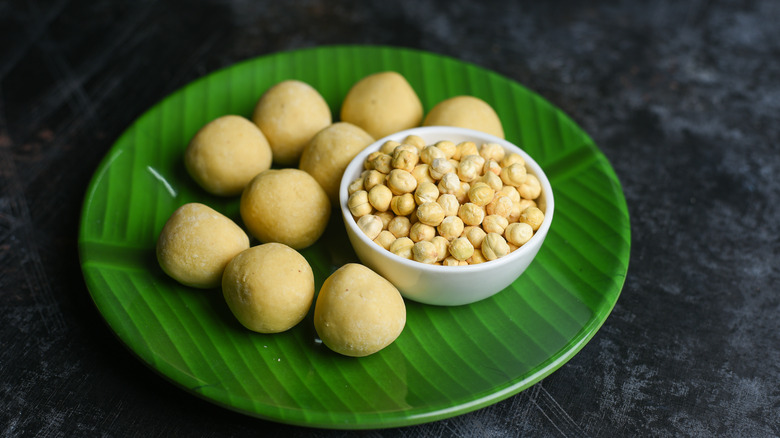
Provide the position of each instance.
(684, 99)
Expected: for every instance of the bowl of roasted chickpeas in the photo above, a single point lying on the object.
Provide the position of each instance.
(449, 215)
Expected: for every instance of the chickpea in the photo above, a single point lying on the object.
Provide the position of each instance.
(494, 223)
(355, 186)
(512, 158)
(388, 147)
(481, 194)
(449, 183)
(386, 217)
(476, 235)
(430, 213)
(406, 147)
(399, 226)
(439, 167)
(525, 203)
(449, 203)
(424, 252)
(421, 231)
(476, 258)
(514, 214)
(493, 180)
(471, 214)
(421, 173)
(430, 153)
(491, 166)
(380, 196)
(383, 163)
(518, 233)
(462, 194)
(531, 188)
(452, 261)
(373, 178)
(358, 203)
(470, 167)
(404, 159)
(513, 175)
(402, 205)
(532, 216)
(500, 205)
(371, 225)
(494, 246)
(402, 247)
(416, 141)
(464, 149)
(492, 151)
(461, 248)
(401, 181)
(447, 147)
(451, 227)
(384, 239)
(369, 163)
(426, 192)
(511, 192)
(442, 247)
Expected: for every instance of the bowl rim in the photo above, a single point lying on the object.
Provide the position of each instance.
(530, 246)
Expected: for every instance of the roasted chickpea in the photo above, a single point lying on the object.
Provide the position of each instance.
(532, 216)
(513, 175)
(416, 141)
(379, 197)
(402, 247)
(449, 203)
(451, 227)
(426, 192)
(470, 167)
(481, 194)
(430, 153)
(403, 205)
(371, 225)
(518, 233)
(494, 246)
(424, 252)
(388, 147)
(421, 231)
(430, 213)
(439, 167)
(461, 248)
(401, 181)
(372, 178)
(531, 188)
(404, 159)
(358, 204)
(385, 239)
(399, 226)
(447, 147)
(464, 149)
(442, 247)
(492, 151)
(494, 223)
(475, 235)
(421, 173)
(471, 214)
(500, 205)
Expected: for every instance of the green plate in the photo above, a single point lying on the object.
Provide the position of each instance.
(448, 360)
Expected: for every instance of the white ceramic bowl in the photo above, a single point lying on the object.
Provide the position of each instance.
(445, 285)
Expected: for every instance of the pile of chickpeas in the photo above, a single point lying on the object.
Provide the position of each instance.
(445, 203)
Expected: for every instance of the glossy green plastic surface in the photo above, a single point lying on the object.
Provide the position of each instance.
(448, 360)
